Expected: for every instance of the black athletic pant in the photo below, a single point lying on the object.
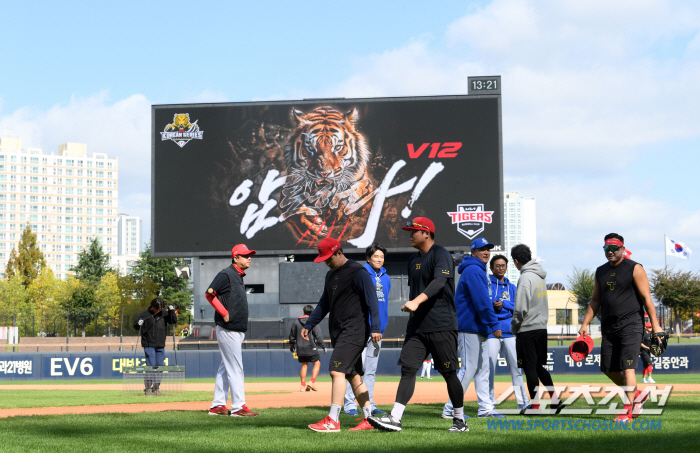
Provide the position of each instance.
(407, 386)
(534, 376)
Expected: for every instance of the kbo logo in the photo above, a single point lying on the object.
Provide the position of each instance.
(471, 219)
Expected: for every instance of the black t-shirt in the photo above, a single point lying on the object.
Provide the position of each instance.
(621, 307)
(646, 341)
(438, 313)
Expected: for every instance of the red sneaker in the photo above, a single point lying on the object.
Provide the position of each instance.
(327, 425)
(244, 412)
(219, 410)
(640, 398)
(625, 415)
(364, 424)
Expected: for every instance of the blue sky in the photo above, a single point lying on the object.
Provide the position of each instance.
(600, 99)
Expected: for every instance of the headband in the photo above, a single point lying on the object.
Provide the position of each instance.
(614, 242)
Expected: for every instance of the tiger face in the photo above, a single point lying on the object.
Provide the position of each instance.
(181, 122)
(326, 147)
(326, 160)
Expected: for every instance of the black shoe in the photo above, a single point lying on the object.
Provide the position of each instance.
(458, 426)
(384, 423)
(558, 407)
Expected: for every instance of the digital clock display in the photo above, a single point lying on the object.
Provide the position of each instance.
(485, 85)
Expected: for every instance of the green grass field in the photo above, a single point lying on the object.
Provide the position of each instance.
(285, 430)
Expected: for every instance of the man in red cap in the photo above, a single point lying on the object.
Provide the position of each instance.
(432, 325)
(621, 292)
(350, 297)
(228, 297)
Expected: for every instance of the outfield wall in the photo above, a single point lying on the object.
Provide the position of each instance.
(679, 358)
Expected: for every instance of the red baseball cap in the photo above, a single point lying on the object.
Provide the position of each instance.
(581, 347)
(420, 223)
(647, 324)
(326, 248)
(241, 249)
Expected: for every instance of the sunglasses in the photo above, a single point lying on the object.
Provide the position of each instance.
(611, 248)
(416, 225)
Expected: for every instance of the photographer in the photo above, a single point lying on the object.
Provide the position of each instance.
(152, 324)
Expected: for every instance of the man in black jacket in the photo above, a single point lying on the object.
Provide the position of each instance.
(151, 325)
(307, 351)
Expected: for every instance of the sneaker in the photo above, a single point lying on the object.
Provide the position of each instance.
(376, 411)
(156, 392)
(362, 426)
(352, 412)
(428, 377)
(491, 414)
(531, 409)
(304, 388)
(650, 380)
(639, 399)
(448, 415)
(422, 377)
(327, 425)
(458, 426)
(644, 380)
(147, 392)
(311, 386)
(385, 423)
(625, 415)
(219, 410)
(244, 412)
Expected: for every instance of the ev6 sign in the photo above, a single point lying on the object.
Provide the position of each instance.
(71, 367)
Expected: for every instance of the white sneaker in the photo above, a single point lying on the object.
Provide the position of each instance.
(644, 380)
(650, 380)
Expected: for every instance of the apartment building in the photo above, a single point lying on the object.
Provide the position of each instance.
(68, 198)
(519, 216)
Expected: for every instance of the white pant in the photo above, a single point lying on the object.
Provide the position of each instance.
(230, 374)
(506, 346)
(426, 369)
(369, 364)
(474, 366)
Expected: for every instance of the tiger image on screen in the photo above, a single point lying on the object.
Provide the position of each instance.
(327, 181)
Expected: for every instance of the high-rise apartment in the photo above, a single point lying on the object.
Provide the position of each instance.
(67, 198)
(129, 242)
(519, 216)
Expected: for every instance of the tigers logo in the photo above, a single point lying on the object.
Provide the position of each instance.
(447, 364)
(181, 131)
(336, 363)
(471, 219)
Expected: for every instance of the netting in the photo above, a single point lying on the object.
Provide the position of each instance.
(153, 381)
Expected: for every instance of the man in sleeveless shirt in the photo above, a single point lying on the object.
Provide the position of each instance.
(350, 297)
(621, 293)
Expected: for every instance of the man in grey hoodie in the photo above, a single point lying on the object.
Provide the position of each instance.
(529, 325)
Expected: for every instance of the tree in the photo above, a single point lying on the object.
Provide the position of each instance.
(28, 260)
(162, 272)
(109, 297)
(13, 300)
(677, 290)
(581, 284)
(79, 298)
(42, 294)
(92, 263)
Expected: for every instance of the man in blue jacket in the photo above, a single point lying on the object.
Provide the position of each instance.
(503, 293)
(476, 320)
(375, 255)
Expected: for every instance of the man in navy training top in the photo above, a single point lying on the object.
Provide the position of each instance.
(375, 255)
(350, 297)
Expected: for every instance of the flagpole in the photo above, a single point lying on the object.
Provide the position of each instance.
(665, 258)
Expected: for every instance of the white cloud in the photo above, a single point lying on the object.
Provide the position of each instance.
(121, 129)
(587, 87)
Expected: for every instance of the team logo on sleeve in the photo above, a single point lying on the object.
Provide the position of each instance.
(471, 219)
(181, 131)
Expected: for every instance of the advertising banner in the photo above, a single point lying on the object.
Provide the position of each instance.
(281, 176)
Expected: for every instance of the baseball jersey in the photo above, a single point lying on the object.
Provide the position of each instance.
(438, 313)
